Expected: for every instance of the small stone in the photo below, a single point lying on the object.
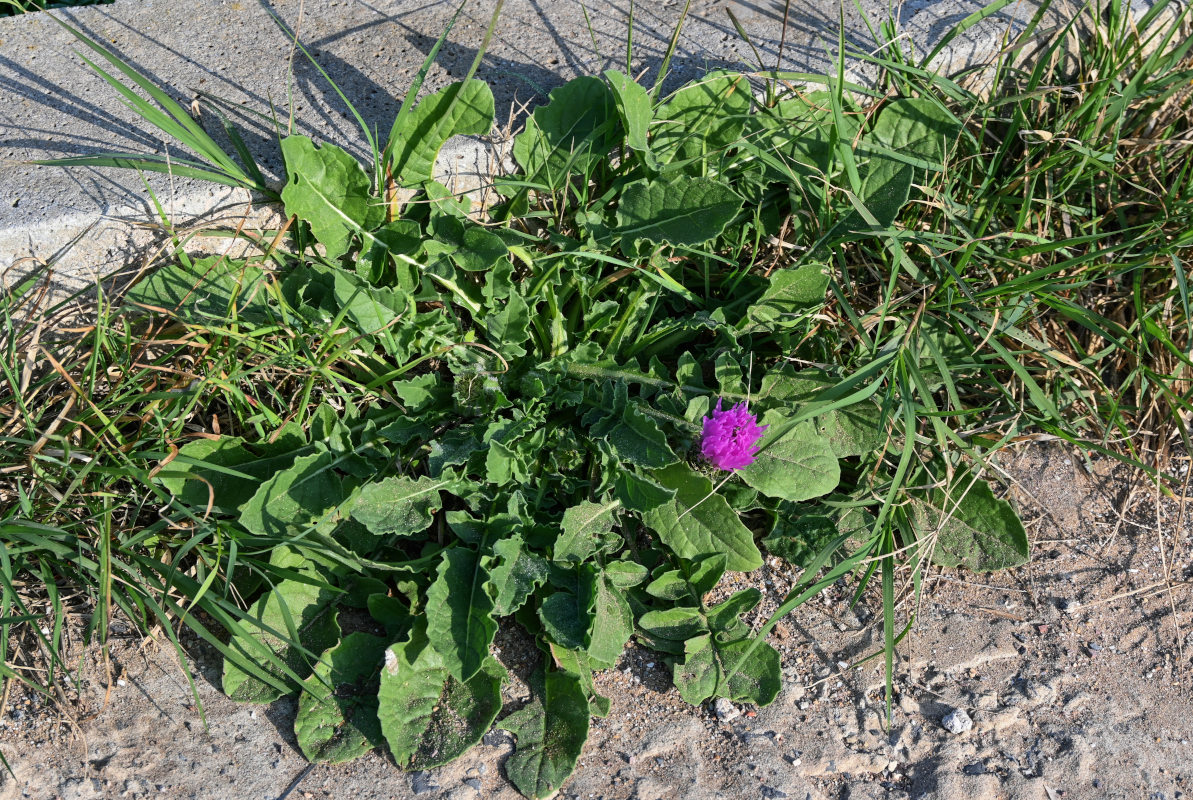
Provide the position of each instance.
(422, 782)
(976, 768)
(474, 783)
(957, 721)
(725, 710)
(772, 794)
(495, 738)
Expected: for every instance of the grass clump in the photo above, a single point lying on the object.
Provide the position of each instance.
(439, 417)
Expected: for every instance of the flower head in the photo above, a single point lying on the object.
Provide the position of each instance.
(730, 437)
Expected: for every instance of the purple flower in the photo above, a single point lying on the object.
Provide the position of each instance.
(730, 437)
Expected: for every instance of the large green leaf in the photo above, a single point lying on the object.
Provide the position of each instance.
(704, 673)
(907, 128)
(976, 529)
(854, 430)
(427, 716)
(699, 522)
(509, 327)
(459, 613)
(639, 493)
(679, 210)
(294, 612)
(637, 438)
(633, 106)
(337, 711)
(564, 621)
(205, 287)
(574, 130)
(551, 731)
(798, 464)
(469, 245)
(228, 471)
(582, 530)
(799, 534)
(917, 128)
(327, 188)
(791, 292)
(612, 624)
(702, 118)
(295, 498)
(399, 505)
(518, 571)
(462, 108)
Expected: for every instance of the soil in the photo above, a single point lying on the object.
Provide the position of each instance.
(1074, 671)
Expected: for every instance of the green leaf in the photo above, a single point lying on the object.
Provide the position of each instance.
(563, 620)
(517, 573)
(205, 287)
(799, 535)
(625, 574)
(758, 679)
(885, 189)
(854, 430)
(723, 619)
(790, 388)
(461, 108)
(976, 529)
(327, 188)
(703, 672)
(400, 506)
(582, 529)
(295, 498)
(633, 106)
(571, 133)
(908, 128)
(427, 716)
(468, 244)
(797, 465)
(703, 118)
(510, 326)
(679, 210)
(791, 292)
(612, 624)
(337, 710)
(228, 471)
(917, 128)
(459, 613)
(673, 624)
(696, 676)
(636, 437)
(551, 732)
(698, 522)
(294, 612)
(639, 493)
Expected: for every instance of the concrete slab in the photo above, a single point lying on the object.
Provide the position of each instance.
(53, 105)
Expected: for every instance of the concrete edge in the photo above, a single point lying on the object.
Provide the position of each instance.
(123, 237)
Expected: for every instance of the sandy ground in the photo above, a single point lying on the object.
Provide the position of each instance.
(1075, 671)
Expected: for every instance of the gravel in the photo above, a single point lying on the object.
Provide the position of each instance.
(957, 721)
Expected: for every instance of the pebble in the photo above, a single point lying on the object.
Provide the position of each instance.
(725, 710)
(495, 738)
(474, 783)
(957, 721)
(422, 782)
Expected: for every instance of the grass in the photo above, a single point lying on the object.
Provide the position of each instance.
(1036, 287)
